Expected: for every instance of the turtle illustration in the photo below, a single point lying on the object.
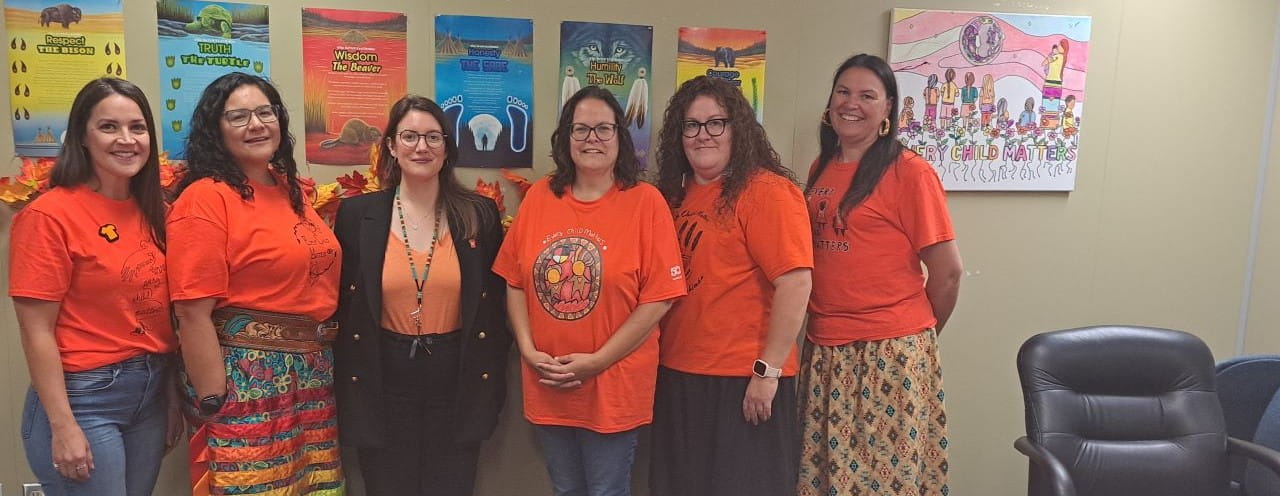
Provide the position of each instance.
(355, 132)
(212, 19)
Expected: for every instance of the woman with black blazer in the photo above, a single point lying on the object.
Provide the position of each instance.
(422, 352)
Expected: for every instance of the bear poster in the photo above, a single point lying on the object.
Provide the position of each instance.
(735, 55)
(484, 83)
(200, 41)
(55, 47)
(618, 58)
(993, 101)
(353, 71)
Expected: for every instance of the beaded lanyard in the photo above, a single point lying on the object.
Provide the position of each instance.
(413, 269)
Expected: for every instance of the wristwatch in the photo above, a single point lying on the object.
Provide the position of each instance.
(762, 369)
(211, 404)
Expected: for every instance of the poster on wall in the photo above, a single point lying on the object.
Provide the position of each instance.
(484, 83)
(200, 41)
(994, 101)
(353, 71)
(618, 58)
(54, 49)
(735, 55)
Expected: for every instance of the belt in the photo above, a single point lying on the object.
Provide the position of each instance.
(271, 331)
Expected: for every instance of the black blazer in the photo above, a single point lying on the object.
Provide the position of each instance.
(362, 226)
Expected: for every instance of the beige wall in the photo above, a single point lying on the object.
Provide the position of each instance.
(1155, 233)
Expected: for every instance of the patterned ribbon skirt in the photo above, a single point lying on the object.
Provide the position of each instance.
(277, 433)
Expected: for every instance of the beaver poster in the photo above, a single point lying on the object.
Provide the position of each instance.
(353, 70)
(200, 41)
(54, 48)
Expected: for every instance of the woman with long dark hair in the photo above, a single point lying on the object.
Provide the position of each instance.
(87, 277)
(423, 324)
(591, 265)
(726, 385)
(254, 274)
(871, 404)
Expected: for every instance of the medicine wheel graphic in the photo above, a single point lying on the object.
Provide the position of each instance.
(567, 277)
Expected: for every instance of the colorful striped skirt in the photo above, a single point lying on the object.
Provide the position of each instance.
(277, 433)
(872, 417)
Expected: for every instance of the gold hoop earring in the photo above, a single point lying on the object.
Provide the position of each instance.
(826, 117)
(884, 127)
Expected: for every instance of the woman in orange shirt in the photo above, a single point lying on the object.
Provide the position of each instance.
(87, 277)
(725, 413)
(871, 383)
(253, 273)
(424, 339)
(591, 265)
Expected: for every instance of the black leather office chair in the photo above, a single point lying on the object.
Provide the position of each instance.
(1125, 411)
(1249, 391)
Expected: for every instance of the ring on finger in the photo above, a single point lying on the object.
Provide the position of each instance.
(82, 467)
(57, 465)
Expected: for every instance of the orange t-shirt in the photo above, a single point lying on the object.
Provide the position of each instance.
(253, 254)
(441, 292)
(584, 267)
(96, 256)
(730, 260)
(868, 283)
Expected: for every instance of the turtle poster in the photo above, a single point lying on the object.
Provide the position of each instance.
(353, 71)
(618, 58)
(55, 47)
(484, 83)
(735, 55)
(994, 101)
(200, 41)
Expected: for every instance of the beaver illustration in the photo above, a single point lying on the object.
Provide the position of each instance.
(353, 36)
(60, 13)
(355, 132)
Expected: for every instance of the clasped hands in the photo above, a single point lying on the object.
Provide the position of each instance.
(566, 371)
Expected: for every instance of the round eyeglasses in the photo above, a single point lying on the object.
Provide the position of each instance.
(434, 139)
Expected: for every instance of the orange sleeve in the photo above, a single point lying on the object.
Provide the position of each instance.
(507, 263)
(775, 223)
(922, 206)
(197, 237)
(661, 267)
(39, 260)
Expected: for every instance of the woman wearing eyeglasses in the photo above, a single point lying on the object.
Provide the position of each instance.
(725, 415)
(591, 265)
(253, 273)
(422, 352)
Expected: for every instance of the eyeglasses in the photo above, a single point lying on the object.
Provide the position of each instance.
(240, 117)
(604, 132)
(434, 139)
(715, 127)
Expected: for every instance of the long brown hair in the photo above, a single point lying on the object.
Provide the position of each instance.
(464, 208)
(74, 168)
(749, 152)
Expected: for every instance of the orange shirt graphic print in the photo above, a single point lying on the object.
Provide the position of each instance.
(566, 277)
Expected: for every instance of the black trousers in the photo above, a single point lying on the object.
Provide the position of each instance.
(702, 446)
(420, 400)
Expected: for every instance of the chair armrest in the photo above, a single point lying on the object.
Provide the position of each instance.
(1059, 477)
(1258, 453)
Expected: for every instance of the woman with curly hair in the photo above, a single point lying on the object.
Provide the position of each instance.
(725, 412)
(253, 272)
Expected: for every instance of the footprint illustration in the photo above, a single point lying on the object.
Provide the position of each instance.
(23, 45)
(117, 47)
(109, 68)
(176, 83)
(170, 104)
(518, 116)
(26, 115)
(169, 61)
(17, 90)
(176, 125)
(17, 116)
(15, 67)
(119, 70)
(24, 65)
(453, 107)
(257, 67)
(13, 44)
(26, 90)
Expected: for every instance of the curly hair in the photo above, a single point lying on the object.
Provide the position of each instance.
(749, 150)
(74, 167)
(465, 209)
(882, 153)
(626, 171)
(207, 154)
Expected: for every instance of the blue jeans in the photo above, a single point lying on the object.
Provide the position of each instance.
(121, 409)
(587, 463)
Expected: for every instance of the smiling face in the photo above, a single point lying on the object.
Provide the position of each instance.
(419, 161)
(593, 154)
(117, 139)
(708, 155)
(858, 106)
(253, 144)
